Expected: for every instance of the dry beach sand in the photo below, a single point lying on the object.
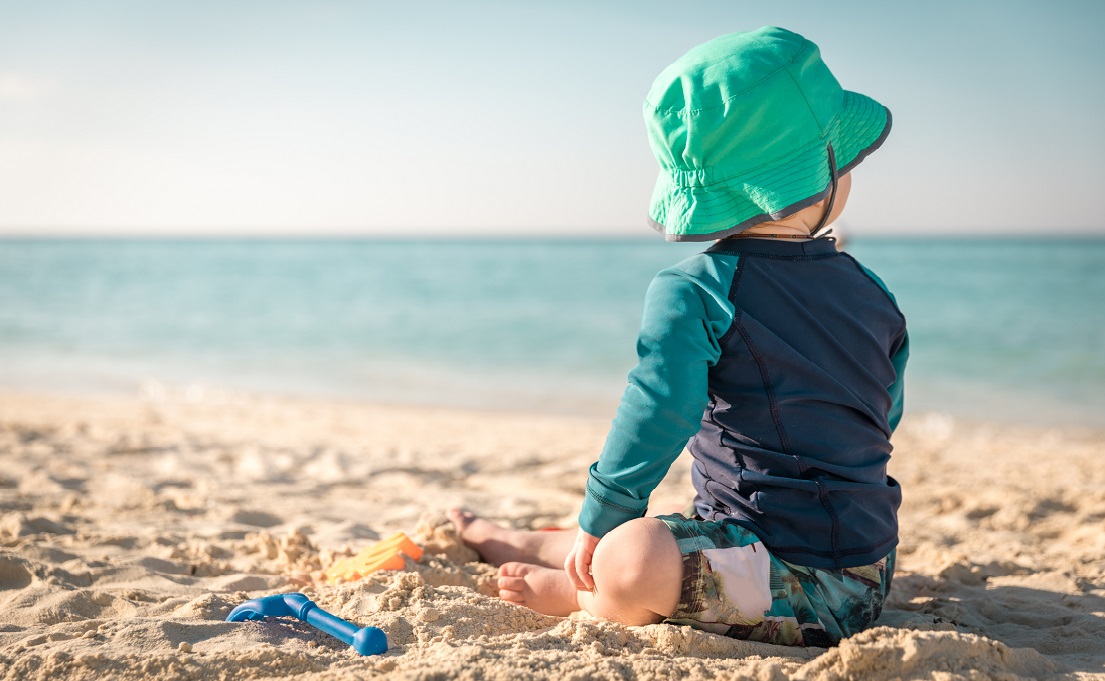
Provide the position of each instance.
(129, 529)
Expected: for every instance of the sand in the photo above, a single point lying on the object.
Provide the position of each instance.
(129, 529)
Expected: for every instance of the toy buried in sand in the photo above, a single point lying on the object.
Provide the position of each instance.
(383, 555)
(366, 641)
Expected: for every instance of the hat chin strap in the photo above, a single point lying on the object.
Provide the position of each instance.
(832, 194)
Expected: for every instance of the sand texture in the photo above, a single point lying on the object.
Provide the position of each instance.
(129, 530)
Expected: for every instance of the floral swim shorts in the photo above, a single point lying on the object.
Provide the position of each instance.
(733, 586)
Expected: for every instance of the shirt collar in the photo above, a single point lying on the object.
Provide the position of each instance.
(793, 249)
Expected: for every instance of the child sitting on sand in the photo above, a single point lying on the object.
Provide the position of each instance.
(777, 356)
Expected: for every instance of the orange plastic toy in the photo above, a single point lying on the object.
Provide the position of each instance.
(383, 555)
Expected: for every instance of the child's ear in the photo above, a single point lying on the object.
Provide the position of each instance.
(843, 189)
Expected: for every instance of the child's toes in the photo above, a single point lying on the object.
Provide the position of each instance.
(512, 596)
(511, 583)
(514, 569)
(460, 518)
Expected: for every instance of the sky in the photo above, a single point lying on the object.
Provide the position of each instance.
(453, 118)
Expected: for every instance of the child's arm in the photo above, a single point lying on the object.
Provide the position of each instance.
(686, 312)
(897, 389)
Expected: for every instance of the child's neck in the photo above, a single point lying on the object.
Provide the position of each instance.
(776, 230)
(796, 226)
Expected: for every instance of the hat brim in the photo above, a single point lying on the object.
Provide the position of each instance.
(775, 190)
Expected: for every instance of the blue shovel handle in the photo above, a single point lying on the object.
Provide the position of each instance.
(366, 641)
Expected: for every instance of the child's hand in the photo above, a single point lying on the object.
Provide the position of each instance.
(578, 562)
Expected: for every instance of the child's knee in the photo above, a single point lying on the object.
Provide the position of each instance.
(640, 563)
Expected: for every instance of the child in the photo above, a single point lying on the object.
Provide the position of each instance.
(780, 358)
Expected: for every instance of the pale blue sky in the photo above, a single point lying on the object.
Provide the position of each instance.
(512, 117)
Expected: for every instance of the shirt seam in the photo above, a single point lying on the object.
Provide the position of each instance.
(881, 287)
(834, 533)
(769, 390)
(730, 297)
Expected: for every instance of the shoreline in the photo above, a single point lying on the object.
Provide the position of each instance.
(156, 392)
(129, 529)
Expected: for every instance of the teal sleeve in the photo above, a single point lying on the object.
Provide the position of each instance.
(686, 311)
(897, 388)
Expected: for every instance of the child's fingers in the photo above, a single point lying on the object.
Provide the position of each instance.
(583, 568)
(578, 563)
(570, 569)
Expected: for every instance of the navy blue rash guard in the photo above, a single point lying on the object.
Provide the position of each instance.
(783, 361)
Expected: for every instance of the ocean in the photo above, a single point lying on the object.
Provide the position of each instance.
(1002, 329)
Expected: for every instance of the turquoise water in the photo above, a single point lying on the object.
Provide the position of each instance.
(1002, 329)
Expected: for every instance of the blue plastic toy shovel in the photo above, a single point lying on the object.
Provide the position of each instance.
(366, 641)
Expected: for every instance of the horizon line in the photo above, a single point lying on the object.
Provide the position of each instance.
(511, 236)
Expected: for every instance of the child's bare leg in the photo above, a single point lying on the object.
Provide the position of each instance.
(497, 544)
(638, 573)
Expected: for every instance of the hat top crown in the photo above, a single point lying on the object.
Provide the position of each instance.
(713, 73)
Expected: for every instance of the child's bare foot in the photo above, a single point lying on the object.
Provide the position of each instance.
(498, 545)
(492, 542)
(543, 589)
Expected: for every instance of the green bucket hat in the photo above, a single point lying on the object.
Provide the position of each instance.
(751, 127)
